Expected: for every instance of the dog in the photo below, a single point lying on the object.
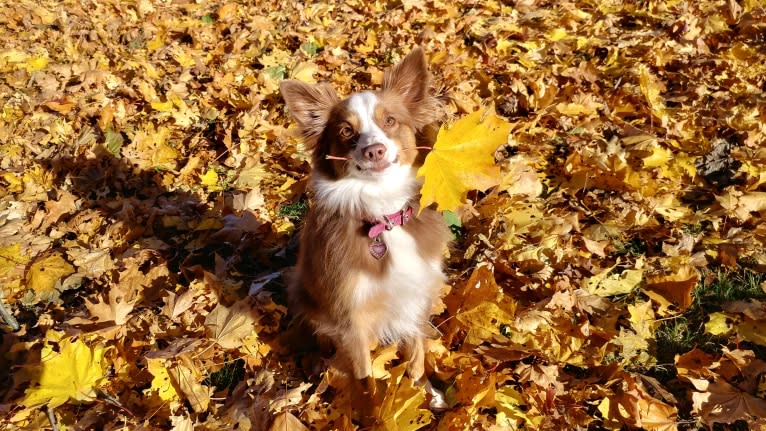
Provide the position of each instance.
(370, 260)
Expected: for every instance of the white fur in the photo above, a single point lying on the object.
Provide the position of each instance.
(408, 288)
(373, 196)
(438, 400)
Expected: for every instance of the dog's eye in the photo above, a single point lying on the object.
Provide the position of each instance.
(346, 132)
(390, 121)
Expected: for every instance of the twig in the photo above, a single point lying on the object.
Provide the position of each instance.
(331, 157)
(52, 418)
(7, 316)
(115, 402)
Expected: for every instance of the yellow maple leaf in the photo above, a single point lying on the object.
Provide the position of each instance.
(484, 322)
(161, 381)
(210, 180)
(660, 157)
(652, 88)
(161, 106)
(305, 72)
(72, 371)
(401, 404)
(187, 378)
(510, 408)
(11, 258)
(182, 56)
(607, 284)
(44, 274)
(370, 44)
(462, 159)
(720, 324)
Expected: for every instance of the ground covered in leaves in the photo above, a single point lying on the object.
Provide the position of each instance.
(151, 186)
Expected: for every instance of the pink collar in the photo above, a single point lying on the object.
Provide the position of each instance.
(398, 218)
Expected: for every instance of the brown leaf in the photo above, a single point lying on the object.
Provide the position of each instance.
(719, 401)
(676, 287)
(228, 326)
(286, 421)
(188, 379)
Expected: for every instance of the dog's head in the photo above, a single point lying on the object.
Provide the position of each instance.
(371, 133)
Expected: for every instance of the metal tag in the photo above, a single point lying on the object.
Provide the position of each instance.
(378, 248)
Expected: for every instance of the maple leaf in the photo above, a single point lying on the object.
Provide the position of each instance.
(286, 421)
(721, 402)
(45, 274)
(228, 326)
(72, 370)
(401, 410)
(510, 408)
(161, 382)
(485, 322)
(187, 378)
(676, 287)
(607, 284)
(634, 405)
(12, 263)
(651, 87)
(462, 159)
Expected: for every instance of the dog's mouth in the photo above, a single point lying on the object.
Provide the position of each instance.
(375, 167)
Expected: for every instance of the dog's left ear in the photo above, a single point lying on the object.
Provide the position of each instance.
(410, 79)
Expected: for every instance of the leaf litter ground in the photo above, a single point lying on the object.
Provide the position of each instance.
(151, 188)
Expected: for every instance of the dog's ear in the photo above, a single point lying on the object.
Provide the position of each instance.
(309, 105)
(410, 80)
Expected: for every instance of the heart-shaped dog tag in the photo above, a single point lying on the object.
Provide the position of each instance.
(378, 248)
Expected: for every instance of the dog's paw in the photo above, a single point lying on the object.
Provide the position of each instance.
(438, 402)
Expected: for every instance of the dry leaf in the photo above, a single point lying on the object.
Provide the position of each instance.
(70, 369)
(461, 160)
(228, 326)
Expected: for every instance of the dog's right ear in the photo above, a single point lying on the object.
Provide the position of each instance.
(310, 105)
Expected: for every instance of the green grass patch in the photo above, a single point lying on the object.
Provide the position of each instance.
(730, 286)
(635, 247)
(294, 211)
(228, 376)
(687, 331)
(680, 335)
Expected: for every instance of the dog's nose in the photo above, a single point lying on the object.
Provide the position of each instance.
(374, 152)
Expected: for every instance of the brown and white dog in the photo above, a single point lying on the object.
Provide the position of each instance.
(370, 261)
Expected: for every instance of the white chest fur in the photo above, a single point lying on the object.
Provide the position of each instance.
(373, 197)
(406, 289)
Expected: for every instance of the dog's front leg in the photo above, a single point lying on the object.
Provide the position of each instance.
(414, 352)
(355, 349)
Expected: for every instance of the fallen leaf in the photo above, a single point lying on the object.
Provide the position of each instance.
(462, 160)
(606, 283)
(228, 326)
(676, 287)
(45, 274)
(187, 377)
(720, 402)
(68, 370)
(161, 382)
(401, 410)
(286, 421)
(485, 322)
